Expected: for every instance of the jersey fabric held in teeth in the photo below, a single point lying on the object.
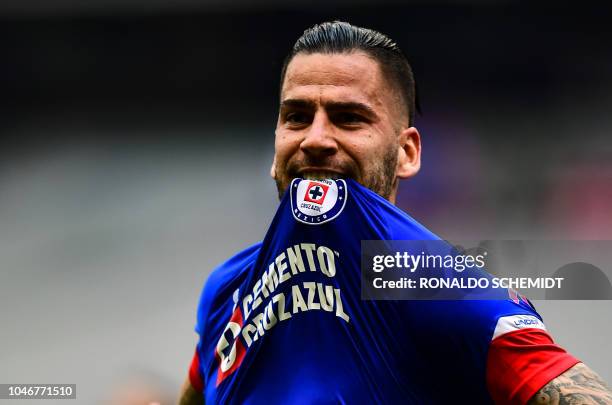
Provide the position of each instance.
(282, 322)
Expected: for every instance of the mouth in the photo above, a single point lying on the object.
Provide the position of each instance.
(319, 174)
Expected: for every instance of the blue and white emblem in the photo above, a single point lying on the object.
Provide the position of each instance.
(315, 202)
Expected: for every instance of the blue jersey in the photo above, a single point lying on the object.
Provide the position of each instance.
(283, 322)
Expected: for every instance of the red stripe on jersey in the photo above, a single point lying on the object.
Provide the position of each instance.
(194, 373)
(521, 362)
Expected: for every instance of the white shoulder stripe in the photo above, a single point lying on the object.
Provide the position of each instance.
(507, 324)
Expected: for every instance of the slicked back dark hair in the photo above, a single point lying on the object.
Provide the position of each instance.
(342, 37)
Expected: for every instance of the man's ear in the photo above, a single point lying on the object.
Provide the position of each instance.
(409, 153)
(273, 168)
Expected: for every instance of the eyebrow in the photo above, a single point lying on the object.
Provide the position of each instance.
(331, 106)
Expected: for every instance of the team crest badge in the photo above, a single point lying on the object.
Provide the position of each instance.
(315, 202)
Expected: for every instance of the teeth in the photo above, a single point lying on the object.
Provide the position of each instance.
(319, 175)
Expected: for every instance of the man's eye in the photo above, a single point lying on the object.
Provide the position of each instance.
(296, 118)
(347, 118)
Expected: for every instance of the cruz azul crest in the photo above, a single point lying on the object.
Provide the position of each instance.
(315, 202)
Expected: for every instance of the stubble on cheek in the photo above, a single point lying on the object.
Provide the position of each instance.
(380, 178)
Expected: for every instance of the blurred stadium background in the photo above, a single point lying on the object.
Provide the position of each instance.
(137, 137)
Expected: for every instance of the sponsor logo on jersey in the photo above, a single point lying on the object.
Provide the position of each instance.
(315, 202)
(507, 324)
(519, 323)
(284, 290)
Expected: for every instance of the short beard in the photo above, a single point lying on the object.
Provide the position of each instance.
(380, 179)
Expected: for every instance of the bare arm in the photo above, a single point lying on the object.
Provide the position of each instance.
(579, 385)
(189, 396)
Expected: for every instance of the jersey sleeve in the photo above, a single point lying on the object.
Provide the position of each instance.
(216, 291)
(522, 358)
(195, 373)
(196, 376)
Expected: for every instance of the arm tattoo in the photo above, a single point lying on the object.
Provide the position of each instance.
(577, 386)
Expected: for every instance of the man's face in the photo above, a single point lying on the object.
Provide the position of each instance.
(339, 118)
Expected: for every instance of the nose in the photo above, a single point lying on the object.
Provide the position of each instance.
(319, 139)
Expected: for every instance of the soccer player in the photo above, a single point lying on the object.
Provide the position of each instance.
(283, 321)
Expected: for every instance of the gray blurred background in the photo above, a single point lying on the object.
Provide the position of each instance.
(137, 137)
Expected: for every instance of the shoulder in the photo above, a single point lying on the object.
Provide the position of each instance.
(499, 317)
(220, 284)
(478, 322)
(233, 266)
(387, 218)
